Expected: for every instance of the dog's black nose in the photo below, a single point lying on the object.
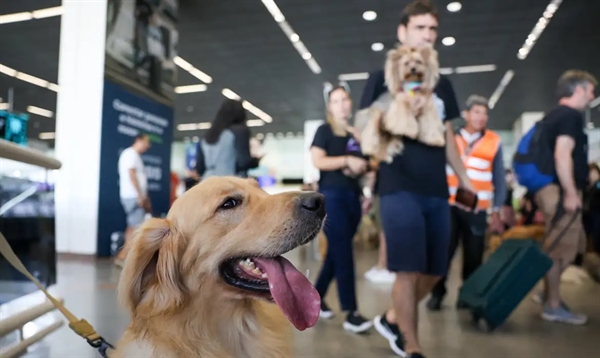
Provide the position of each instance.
(313, 202)
(413, 70)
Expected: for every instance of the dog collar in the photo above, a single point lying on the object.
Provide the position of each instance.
(411, 87)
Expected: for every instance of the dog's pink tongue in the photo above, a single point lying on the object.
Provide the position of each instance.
(292, 292)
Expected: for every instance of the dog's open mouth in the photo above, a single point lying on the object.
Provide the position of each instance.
(276, 279)
(414, 77)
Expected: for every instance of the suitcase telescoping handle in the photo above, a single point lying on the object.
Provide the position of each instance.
(560, 212)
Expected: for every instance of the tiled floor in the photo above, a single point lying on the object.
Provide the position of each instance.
(88, 290)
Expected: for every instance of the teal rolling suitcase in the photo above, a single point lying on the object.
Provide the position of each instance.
(497, 287)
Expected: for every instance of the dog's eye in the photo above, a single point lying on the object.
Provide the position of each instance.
(229, 203)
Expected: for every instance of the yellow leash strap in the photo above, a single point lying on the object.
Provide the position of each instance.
(80, 326)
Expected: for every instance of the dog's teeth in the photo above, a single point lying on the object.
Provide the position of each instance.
(264, 275)
(257, 271)
(307, 273)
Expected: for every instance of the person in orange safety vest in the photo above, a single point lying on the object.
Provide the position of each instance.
(481, 150)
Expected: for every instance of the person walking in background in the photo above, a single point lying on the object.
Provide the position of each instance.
(591, 207)
(133, 189)
(336, 154)
(509, 218)
(481, 151)
(561, 201)
(225, 149)
(413, 194)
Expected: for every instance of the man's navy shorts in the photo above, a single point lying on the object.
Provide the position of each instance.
(417, 232)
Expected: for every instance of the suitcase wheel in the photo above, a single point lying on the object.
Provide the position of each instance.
(485, 326)
(482, 323)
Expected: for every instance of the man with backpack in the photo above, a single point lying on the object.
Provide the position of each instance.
(551, 162)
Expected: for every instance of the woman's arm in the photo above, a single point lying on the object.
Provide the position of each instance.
(200, 164)
(322, 162)
(242, 148)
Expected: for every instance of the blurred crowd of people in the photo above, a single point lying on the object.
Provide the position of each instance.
(414, 199)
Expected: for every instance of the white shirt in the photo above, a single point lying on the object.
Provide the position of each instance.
(130, 159)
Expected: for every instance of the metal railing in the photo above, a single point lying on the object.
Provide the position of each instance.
(16, 322)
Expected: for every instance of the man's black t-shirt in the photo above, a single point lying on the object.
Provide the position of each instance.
(336, 146)
(420, 168)
(567, 121)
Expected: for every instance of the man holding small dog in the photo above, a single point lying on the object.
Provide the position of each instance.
(481, 150)
(414, 197)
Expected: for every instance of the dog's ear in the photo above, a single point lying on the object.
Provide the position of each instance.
(430, 56)
(151, 273)
(392, 70)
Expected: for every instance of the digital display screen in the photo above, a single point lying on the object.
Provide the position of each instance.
(13, 127)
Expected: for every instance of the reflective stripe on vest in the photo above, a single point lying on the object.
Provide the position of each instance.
(478, 161)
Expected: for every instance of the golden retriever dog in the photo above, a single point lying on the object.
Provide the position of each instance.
(209, 279)
(411, 75)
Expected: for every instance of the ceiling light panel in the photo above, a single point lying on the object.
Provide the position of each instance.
(247, 105)
(31, 15)
(28, 78)
(495, 97)
(40, 111)
(448, 41)
(292, 36)
(454, 6)
(539, 27)
(377, 46)
(190, 89)
(369, 15)
(358, 76)
(186, 66)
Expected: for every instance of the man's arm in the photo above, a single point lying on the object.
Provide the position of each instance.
(454, 159)
(499, 180)
(136, 184)
(564, 163)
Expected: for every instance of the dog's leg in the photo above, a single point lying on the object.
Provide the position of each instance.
(370, 137)
(394, 147)
(431, 127)
(400, 118)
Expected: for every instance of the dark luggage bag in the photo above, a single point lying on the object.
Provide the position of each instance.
(497, 287)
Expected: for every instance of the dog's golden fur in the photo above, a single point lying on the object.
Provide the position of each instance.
(412, 115)
(170, 284)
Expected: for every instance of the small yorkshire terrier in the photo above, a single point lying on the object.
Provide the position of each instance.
(411, 75)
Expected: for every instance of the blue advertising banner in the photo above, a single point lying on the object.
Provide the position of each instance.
(124, 116)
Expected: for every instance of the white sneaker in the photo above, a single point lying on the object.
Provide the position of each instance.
(377, 275)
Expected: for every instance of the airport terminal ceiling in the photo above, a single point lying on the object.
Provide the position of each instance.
(240, 45)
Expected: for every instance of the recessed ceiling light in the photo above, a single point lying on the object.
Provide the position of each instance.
(377, 46)
(454, 6)
(448, 41)
(369, 15)
(294, 37)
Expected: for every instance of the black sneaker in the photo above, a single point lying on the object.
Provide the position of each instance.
(391, 332)
(415, 355)
(356, 323)
(326, 312)
(434, 303)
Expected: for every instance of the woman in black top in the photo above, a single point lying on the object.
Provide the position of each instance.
(591, 206)
(336, 153)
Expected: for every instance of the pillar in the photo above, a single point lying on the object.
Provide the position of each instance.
(103, 103)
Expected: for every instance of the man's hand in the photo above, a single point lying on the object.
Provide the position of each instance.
(496, 225)
(367, 204)
(141, 201)
(571, 202)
